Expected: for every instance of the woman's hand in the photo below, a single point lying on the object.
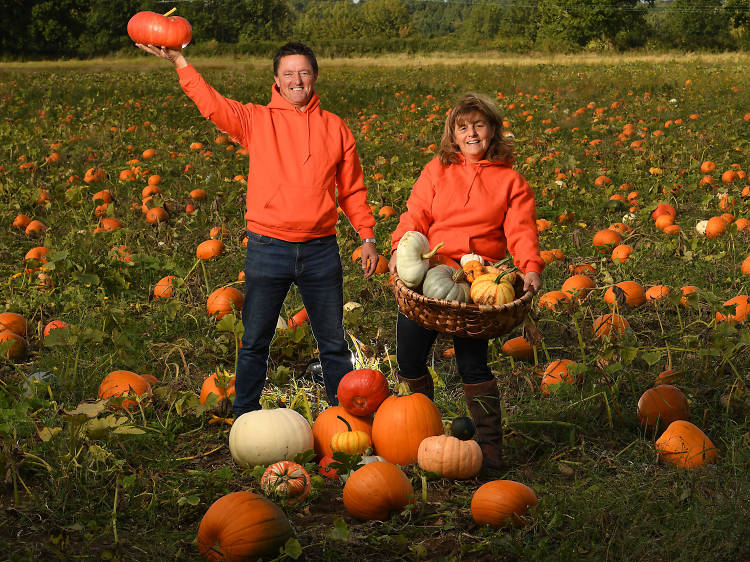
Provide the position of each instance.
(172, 55)
(392, 263)
(370, 259)
(532, 282)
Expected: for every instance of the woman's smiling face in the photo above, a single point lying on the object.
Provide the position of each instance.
(473, 134)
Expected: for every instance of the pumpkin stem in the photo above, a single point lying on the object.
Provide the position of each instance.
(348, 427)
(458, 275)
(506, 259)
(504, 273)
(170, 12)
(432, 252)
(403, 389)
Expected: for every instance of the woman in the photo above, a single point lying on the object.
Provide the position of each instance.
(469, 198)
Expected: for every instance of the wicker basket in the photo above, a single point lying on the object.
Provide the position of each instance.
(466, 320)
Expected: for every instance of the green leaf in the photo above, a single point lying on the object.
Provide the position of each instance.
(193, 499)
(301, 405)
(629, 353)
(651, 357)
(292, 548)
(340, 531)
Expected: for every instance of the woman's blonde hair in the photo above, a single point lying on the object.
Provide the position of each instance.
(500, 148)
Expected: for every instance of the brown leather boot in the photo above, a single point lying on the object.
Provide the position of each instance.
(422, 384)
(483, 400)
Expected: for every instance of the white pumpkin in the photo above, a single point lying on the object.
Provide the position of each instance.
(446, 282)
(466, 258)
(700, 228)
(264, 437)
(413, 257)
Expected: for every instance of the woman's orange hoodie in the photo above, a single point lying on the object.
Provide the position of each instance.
(479, 208)
(298, 160)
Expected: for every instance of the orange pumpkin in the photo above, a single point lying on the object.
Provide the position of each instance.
(327, 424)
(662, 405)
(13, 322)
(17, 349)
(123, 383)
(577, 286)
(401, 423)
(621, 253)
(500, 501)
(657, 292)
(552, 299)
(242, 526)
(518, 348)
(223, 301)
(209, 249)
(164, 287)
(610, 326)
(376, 490)
(685, 445)
(606, 239)
(557, 372)
(221, 386)
(493, 289)
(156, 215)
(473, 269)
(287, 481)
(633, 293)
(741, 305)
(715, 227)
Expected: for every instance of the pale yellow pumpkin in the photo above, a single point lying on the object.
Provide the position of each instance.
(450, 457)
(413, 257)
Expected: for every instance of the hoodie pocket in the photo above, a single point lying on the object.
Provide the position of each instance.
(301, 207)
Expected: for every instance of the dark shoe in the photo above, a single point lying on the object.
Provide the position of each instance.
(483, 400)
(422, 384)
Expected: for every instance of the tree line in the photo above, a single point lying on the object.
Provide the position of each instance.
(34, 29)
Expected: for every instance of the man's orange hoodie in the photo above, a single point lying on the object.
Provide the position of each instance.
(479, 208)
(298, 160)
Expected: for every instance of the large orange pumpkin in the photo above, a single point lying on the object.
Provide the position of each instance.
(327, 424)
(13, 322)
(242, 526)
(223, 301)
(557, 372)
(577, 286)
(518, 348)
(123, 383)
(633, 293)
(606, 239)
(684, 444)
(662, 405)
(499, 501)
(400, 425)
(376, 490)
(741, 304)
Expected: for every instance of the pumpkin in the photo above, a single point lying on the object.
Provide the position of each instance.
(209, 249)
(551, 300)
(446, 283)
(328, 423)
(287, 481)
(198, 194)
(715, 227)
(472, 269)
(298, 318)
(17, 349)
(54, 325)
(557, 372)
(163, 30)
(376, 490)
(463, 428)
(123, 383)
(606, 239)
(13, 322)
(242, 526)
(110, 224)
(223, 301)
(164, 287)
(493, 289)
(577, 286)
(662, 405)
(156, 215)
(450, 457)
(350, 442)
(657, 292)
(632, 294)
(220, 385)
(35, 228)
(262, 437)
(621, 253)
(466, 258)
(401, 423)
(21, 221)
(740, 304)
(610, 325)
(326, 470)
(499, 501)
(361, 391)
(518, 348)
(685, 445)
(413, 257)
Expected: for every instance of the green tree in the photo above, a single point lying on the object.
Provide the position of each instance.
(329, 20)
(697, 24)
(14, 21)
(484, 21)
(386, 18)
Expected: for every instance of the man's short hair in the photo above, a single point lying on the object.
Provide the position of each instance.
(295, 48)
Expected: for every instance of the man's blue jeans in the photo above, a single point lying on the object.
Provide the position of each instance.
(271, 266)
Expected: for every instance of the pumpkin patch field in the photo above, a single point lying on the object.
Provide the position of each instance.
(626, 400)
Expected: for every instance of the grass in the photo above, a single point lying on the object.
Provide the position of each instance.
(134, 485)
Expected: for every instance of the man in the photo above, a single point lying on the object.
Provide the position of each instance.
(301, 159)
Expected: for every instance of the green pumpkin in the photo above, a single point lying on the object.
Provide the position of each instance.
(446, 282)
(463, 428)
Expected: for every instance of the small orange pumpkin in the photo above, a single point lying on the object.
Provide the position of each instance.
(662, 404)
(557, 372)
(209, 249)
(223, 301)
(450, 457)
(685, 445)
(633, 293)
(329, 423)
(164, 287)
(499, 501)
(610, 326)
(13, 322)
(123, 383)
